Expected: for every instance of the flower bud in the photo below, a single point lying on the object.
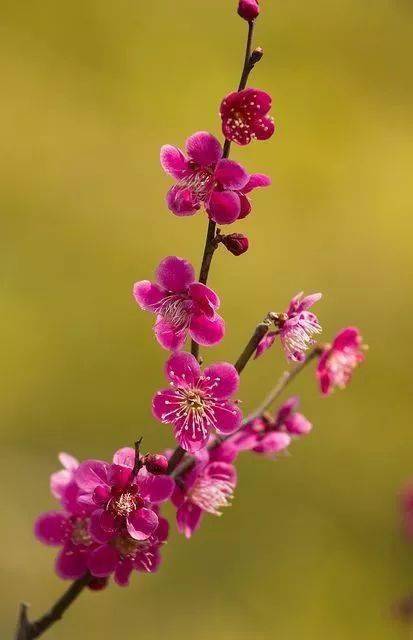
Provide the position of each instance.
(97, 584)
(248, 9)
(156, 463)
(236, 243)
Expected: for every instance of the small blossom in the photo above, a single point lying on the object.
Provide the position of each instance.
(236, 243)
(122, 554)
(245, 116)
(182, 305)
(337, 363)
(205, 178)
(197, 403)
(121, 499)
(270, 435)
(207, 487)
(248, 9)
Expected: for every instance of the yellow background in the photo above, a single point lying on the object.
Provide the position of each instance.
(90, 90)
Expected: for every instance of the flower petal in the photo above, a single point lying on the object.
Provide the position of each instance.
(191, 437)
(265, 343)
(222, 379)
(155, 489)
(204, 148)
(245, 206)
(91, 473)
(205, 331)
(124, 457)
(175, 274)
(222, 471)
(183, 368)
(205, 298)
(168, 336)
(123, 571)
(173, 161)
(228, 417)
(224, 207)
(148, 295)
(59, 481)
(263, 128)
(142, 523)
(188, 518)
(102, 561)
(52, 528)
(256, 180)
(182, 201)
(68, 462)
(273, 443)
(231, 175)
(71, 563)
(102, 526)
(349, 337)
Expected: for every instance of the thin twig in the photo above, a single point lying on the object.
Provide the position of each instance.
(260, 332)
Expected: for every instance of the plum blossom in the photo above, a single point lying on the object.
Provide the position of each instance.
(182, 305)
(338, 361)
(204, 177)
(248, 9)
(269, 435)
(295, 328)
(245, 116)
(196, 402)
(121, 554)
(207, 487)
(120, 497)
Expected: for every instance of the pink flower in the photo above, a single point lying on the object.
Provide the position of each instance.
(407, 510)
(248, 9)
(245, 116)
(182, 305)
(295, 327)
(269, 436)
(337, 363)
(121, 499)
(196, 402)
(207, 487)
(71, 532)
(204, 177)
(123, 554)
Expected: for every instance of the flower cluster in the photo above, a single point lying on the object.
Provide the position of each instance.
(109, 519)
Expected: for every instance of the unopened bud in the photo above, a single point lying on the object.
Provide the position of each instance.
(97, 584)
(156, 464)
(248, 9)
(256, 55)
(236, 243)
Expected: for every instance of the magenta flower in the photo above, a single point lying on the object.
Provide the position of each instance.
(123, 554)
(295, 327)
(197, 403)
(121, 499)
(248, 9)
(269, 436)
(337, 363)
(71, 533)
(407, 510)
(245, 116)
(206, 488)
(205, 178)
(182, 305)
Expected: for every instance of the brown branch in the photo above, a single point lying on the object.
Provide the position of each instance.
(260, 332)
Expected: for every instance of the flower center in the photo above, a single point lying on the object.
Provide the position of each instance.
(176, 309)
(341, 365)
(80, 532)
(124, 504)
(212, 494)
(200, 182)
(127, 546)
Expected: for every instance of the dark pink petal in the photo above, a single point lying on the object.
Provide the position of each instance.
(349, 337)
(205, 331)
(228, 417)
(205, 298)
(123, 571)
(175, 274)
(298, 425)
(91, 473)
(225, 452)
(245, 206)
(148, 560)
(162, 532)
(52, 528)
(222, 379)
(68, 462)
(148, 295)
(168, 336)
(263, 128)
(266, 342)
(222, 471)
(192, 438)
(188, 518)
(100, 495)
(231, 175)
(182, 201)
(102, 561)
(228, 103)
(142, 523)
(102, 526)
(204, 148)
(286, 410)
(224, 207)
(256, 180)
(119, 476)
(163, 403)
(173, 161)
(183, 368)
(70, 500)
(71, 563)
(273, 443)
(155, 489)
(125, 457)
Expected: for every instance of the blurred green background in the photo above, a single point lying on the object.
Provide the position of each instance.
(90, 91)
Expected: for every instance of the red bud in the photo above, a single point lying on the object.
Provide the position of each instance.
(236, 243)
(156, 464)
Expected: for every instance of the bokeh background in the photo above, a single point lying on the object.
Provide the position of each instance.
(311, 547)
